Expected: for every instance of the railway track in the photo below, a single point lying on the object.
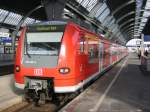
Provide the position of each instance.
(48, 107)
(32, 108)
(29, 107)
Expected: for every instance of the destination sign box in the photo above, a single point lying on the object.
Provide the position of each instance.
(46, 28)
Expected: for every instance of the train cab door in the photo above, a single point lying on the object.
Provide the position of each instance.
(82, 56)
(101, 56)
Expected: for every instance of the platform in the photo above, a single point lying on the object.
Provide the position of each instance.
(6, 63)
(125, 88)
(8, 94)
(6, 59)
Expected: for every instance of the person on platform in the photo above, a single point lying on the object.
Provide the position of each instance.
(139, 53)
(146, 53)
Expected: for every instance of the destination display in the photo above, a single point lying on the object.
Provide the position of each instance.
(46, 28)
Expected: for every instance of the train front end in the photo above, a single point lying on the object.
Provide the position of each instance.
(38, 59)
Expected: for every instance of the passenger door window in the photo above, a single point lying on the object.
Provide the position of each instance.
(93, 51)
(82, 42)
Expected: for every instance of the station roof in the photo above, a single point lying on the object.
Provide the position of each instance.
(123, 19)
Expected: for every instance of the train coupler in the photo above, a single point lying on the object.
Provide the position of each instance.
(39, 91)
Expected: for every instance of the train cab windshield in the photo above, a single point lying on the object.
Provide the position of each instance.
(43, 40)
(43, 43)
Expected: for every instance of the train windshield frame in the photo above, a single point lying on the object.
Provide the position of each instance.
(43, 42)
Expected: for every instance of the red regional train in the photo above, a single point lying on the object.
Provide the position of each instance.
(61, 57)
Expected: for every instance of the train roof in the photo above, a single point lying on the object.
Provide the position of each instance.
(64, 22)
(58, 22)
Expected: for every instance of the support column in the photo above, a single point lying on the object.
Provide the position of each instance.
(54, 9)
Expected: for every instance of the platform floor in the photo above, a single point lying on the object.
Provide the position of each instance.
(125, 88)
(8, 94)
(6, 63)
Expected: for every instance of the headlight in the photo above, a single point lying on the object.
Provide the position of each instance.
(17, 68)
(64, 70)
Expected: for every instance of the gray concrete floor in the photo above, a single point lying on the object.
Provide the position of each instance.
(130, 92)
(9, 95)
(4, 63)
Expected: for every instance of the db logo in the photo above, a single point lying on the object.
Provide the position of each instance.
(38, 72)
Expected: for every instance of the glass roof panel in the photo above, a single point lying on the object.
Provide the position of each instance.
(112, 26)
(107, 20)
(104, 15)
(91, 4)
(28, 21)
(113, 20)
(85, 3)
(102, 8)
(144, 20)
(37, 21)
(3, 14)
(80, 1)
(13, 19)
(147, 4)
(146, 14)
(141, 27)
(115, 29)
(140, 30)
(88, 4)
(100, 12)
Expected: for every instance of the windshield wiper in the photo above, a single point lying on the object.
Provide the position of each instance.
(26, 47)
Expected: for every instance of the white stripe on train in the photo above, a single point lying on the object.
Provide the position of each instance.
(67, 89)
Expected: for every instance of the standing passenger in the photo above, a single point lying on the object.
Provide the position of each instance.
(139, 53)
(146, 53)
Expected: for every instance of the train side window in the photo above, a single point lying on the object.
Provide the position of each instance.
(82, 41)
(93, 51)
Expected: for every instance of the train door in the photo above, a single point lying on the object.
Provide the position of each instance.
(115, 54)
(111, 54)
(93, 55)
(106, 56)
(82, 57)
(101, 57)
(118, 52)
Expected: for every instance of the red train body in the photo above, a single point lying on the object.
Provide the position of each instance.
(62, 57)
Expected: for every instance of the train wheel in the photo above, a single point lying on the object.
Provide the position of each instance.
(55, 99)
(36, 99)
(36, 102)
(26, 98)
(42, 100)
